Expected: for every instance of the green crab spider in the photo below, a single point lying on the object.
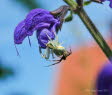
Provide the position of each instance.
(54, 48)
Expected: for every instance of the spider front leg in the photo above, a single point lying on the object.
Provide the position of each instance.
(53, 64)
(52, 54)
(58, 61)
(47, 53)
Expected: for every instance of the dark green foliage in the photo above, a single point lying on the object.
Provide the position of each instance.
(5, 72)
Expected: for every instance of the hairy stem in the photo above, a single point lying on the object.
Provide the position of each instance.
(92, 29)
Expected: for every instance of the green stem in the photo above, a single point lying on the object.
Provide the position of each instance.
(71, 3)
(94, 32)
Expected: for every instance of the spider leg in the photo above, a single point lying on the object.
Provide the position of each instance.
(49, 37)
(52, 54)
(47, 53)
(56, 37)
(40, 51)
(53, 64)
(56, 62)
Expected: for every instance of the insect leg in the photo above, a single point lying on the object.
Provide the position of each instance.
(52, 54)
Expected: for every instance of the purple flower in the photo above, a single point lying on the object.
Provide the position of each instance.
(39, 20)
(108, 0)
(104, 80)
(20, 33)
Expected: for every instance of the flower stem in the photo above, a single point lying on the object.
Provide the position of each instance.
(93, 30)
(95, 33)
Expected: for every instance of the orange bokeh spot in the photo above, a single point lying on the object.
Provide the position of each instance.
(78, 73)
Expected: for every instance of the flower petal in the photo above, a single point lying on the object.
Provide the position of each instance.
(43, 38)
(37, 16)
(20, 33)
(42, 26)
